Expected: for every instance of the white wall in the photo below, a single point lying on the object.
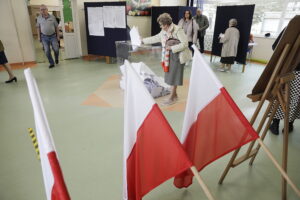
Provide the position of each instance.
(52, 5)
(142, 22)
(173, 2)
(46, 2)
(263, 50)
(16, 46)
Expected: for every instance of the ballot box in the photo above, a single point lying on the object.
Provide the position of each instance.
(146, 61)
(149, 54)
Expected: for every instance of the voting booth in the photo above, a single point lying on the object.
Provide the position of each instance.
(244, 15)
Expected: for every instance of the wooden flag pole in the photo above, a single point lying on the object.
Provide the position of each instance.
(257, 111)
(285, 137)
(201, 183)
(283, 173)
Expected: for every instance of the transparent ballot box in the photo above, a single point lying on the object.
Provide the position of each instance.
(144, 53)
(145, 60)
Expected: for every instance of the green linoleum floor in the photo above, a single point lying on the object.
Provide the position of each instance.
(89, 140)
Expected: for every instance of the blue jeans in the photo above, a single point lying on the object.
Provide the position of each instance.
(47, 41)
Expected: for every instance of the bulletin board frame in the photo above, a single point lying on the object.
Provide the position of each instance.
(104, 45)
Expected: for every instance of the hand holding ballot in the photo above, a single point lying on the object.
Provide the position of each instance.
(135, 37)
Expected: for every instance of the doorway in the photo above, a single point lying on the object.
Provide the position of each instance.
(34, 12)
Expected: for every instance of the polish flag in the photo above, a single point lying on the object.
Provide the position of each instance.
(53, 178)
(213, 124)
(152, 152)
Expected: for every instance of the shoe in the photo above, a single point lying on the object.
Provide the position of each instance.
(222, 70)
(169, 102)
(56, 61)
(51, 66)
(11, 80)
(291, 127)
(274, 128)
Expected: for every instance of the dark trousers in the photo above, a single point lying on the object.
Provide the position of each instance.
(201, 42)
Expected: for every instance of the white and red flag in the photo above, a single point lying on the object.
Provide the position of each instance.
(53, 178)
(152, 152)
(213, 124)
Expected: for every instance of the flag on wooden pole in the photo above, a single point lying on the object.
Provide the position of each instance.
(152, 152)
(213, 124)
(53, 178)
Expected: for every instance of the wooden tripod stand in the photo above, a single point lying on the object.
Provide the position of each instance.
(277, 91)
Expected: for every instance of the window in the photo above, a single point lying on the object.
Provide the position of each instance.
(270, 16)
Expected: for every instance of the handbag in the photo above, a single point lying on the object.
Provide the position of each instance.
(172, 41)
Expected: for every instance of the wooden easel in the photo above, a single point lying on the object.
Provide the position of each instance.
(274, 86)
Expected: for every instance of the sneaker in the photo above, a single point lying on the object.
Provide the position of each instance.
(169, 102)
(51, 66)
(56, 61)
(221, 69)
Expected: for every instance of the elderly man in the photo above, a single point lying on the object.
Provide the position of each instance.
(203, 24)
(47, 29)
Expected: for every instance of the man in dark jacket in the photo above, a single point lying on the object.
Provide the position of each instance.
(203, 24)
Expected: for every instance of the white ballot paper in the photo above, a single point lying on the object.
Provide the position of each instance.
(135, 38)
(95, 21)
(221, 35)
(109, 16)
(120, 14)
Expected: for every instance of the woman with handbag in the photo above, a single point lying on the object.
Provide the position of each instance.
(175, 53)
(190, 28)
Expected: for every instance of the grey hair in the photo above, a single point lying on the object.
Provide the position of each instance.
(164, 19)
(233, 22)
